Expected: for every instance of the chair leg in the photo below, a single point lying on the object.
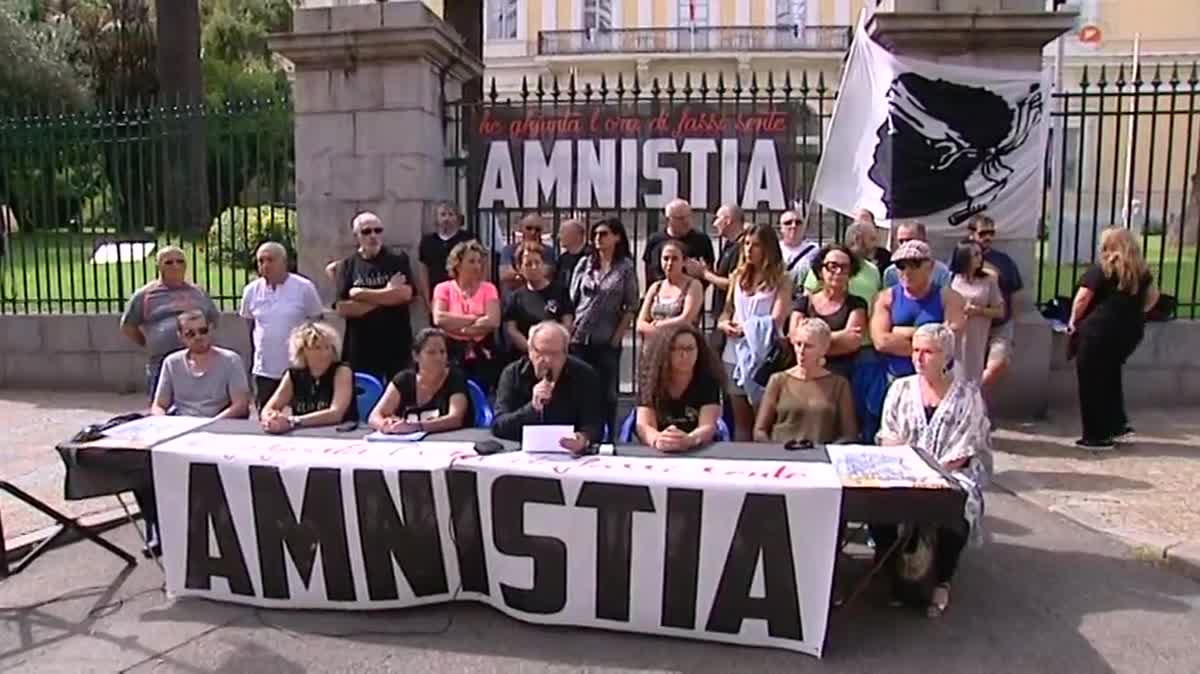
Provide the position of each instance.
(64, 523)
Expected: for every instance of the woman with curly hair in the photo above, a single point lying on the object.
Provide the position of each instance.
(1108, 318)
(317, 389)
(467, 308)
(679, 395)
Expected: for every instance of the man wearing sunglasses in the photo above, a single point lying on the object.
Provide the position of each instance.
(374, 289)
(915, 231)
(1000, 338)
(532, 227)
(149, 319)
(914, 301)
(202, 380)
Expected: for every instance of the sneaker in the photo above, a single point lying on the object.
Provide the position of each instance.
(1095, 445)
(1125, 433)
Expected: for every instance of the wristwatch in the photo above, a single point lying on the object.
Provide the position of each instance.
(293, 423)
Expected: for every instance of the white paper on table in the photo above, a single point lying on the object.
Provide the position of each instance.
(149, 431)
(415, 436)
(544, 439)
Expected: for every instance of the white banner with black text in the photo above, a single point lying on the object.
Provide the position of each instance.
(719, 550)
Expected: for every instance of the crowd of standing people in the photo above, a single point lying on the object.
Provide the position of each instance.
(811, 342)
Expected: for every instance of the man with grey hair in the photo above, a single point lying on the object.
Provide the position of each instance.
(435, 247)
(697, 246)
(881, 256)
(273, 305)
(798, 252)
(149, 316)
(374, 290)
(549, 386)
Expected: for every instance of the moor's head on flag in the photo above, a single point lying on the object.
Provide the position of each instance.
(944, 145)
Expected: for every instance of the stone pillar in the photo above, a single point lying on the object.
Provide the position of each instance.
(368, 91)
(1002, 34)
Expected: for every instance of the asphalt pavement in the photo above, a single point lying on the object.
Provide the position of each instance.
(1044, 595)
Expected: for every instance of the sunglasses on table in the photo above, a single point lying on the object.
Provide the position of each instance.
(196, 332)
(371, 230)
(796, 445)
(909, 264)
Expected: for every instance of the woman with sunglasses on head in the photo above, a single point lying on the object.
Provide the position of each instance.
(604, 290)
(914, 301)
(759, 299)
(983, 303)
(679, 396)
(467, 308)
(318, 388)
(431, 398)
(807, 402)
(675, 300)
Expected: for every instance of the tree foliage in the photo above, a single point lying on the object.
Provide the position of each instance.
(36, 65)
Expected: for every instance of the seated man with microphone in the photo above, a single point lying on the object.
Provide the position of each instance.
(550, 387)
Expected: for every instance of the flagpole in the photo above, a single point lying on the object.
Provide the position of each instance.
(1127, 199)
(859, 31)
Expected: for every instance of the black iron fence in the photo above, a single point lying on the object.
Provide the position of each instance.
(1126, 152)
(87, 198)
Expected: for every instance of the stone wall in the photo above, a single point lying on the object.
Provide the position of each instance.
(85, 352)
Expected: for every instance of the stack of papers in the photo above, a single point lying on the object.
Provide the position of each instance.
(396, 437)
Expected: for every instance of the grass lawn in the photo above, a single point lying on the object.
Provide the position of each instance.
(1173, 274)
(54, 273)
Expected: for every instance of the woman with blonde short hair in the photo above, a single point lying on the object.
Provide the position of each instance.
(1108, 319)
(467, 308)
(807, 402)
(318, 388)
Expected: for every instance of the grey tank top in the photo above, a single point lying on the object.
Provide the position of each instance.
(669, 308)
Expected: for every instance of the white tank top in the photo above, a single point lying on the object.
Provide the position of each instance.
(746, 306)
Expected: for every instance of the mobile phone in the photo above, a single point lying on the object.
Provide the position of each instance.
(347, 426)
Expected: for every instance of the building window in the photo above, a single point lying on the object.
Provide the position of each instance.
(502, 19)
(791, 12)
(597, 14)
(693, 12)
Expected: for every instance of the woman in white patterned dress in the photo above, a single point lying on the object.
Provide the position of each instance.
(946, 418)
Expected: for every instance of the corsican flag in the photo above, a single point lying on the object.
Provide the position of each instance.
(917, 140)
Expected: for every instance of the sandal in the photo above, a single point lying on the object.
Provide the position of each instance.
(940, 601)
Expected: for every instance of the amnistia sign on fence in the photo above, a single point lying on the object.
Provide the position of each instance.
(732, 551)
(611, 156)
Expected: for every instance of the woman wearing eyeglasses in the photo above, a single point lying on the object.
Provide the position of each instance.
(679, 396)
(807, 401)
(833, 303)
(604, 290)
(318, 388)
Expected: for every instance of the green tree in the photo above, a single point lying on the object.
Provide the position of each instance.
(36, 69)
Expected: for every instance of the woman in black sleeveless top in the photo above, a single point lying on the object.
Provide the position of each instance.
(318, 388)
(432, 398)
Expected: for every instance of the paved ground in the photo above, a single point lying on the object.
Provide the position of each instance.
(33, 422)
(1045, 595)
(1145, 492)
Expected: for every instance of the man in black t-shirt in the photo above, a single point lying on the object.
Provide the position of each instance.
(374, 290)
(573, 247)
(538, 300)
(679, 226)
(435, 247)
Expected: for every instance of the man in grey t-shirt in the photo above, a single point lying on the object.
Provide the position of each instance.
(149, 318)
(202, 380)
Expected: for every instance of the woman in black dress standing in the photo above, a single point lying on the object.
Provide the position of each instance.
(1108, 318)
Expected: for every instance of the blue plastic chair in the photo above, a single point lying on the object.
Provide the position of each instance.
(479, 403)
(367, 392)
(626, 434)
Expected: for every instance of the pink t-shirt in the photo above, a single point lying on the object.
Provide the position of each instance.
(456, 302)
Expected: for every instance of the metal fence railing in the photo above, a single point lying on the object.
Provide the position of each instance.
(1126, 152)
(86, 199)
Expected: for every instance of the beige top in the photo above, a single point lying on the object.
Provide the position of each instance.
(819, 410)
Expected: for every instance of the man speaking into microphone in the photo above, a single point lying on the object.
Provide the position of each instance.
(549, 387)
